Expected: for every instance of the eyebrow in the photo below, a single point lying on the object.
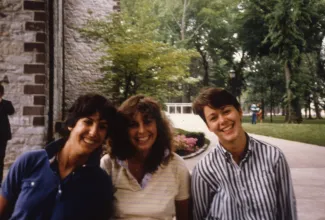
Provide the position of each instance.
(212, 114)
(101, 120)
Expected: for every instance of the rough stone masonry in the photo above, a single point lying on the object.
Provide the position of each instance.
(24, 60)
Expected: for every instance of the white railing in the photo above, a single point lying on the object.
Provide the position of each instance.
(179, 108)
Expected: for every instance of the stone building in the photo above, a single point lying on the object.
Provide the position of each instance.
(46, 62)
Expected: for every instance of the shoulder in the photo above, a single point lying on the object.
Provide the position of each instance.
(265, 149)
(106, 163)
(33, 156)
(6, 102)
(175, 165)
(209, 161)
(177, 161)
(28, 161)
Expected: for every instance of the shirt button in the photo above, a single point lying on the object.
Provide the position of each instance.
(32, 183)
(59, 191)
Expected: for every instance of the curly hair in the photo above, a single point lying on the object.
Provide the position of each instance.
(122, 147)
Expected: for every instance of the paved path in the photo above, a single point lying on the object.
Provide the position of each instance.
(306, 161)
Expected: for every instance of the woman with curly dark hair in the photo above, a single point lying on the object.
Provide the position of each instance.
(151, 182)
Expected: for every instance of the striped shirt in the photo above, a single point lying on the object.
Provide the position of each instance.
(258, 188)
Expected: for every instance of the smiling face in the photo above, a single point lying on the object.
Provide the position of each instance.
(88, 134)
(225, 122)
(142, 132)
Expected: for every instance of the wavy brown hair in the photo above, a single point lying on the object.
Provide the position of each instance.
(122, 148)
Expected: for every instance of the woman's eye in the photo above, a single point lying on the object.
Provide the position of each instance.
(147, 121)
(88, 122)
(226, 111)
(133, 124)
(103, 126)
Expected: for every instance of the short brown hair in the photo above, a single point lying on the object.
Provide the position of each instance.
(87, 105)
(214, 98)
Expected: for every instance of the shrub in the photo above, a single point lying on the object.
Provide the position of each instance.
(183, 143)
(199, 136)
(187, 142)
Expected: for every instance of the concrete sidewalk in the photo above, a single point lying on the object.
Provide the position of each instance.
(306, 161)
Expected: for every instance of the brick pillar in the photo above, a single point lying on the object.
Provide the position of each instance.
(37, 68)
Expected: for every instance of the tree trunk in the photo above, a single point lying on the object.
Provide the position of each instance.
(271, 102)
(205, 64)
(296, 107)
(183, 25)
(316, 103)
(309, 112)
(288, 78)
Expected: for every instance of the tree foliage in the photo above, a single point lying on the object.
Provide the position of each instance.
(134, 61)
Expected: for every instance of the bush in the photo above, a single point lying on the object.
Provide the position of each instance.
(200, 136)
(187, 142)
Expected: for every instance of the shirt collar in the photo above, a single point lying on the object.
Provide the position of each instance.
(247, 151)
(54, 147)
(124, 163)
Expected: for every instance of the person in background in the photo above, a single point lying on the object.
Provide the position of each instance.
(151, 182)
(64, 180)
(6, 108)
(260, 113)
(242, 178)
(254, 110)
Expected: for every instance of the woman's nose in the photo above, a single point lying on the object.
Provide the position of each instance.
(141, 128)
(93, 130)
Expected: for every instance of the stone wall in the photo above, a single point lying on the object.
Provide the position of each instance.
(80, 68)
(24, 59)
(22, 52)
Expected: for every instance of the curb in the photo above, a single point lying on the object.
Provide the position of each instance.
(200, 151)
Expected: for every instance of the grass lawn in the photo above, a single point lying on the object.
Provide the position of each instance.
(310, 131)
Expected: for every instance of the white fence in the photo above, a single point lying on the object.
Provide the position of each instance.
(179, 108)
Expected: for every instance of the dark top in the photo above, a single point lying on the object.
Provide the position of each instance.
(6, 109)
(35, 190)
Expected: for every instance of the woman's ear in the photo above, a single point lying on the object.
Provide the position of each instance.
(241, 114)
(70, 128)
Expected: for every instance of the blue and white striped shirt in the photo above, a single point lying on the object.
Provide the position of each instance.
(258, 188)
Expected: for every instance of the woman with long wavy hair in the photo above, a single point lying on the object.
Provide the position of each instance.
(150, 181)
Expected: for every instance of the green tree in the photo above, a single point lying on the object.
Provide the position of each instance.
(134, 61)
(266, 84)
(284, 27)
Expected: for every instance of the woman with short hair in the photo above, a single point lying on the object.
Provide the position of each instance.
(64, 180)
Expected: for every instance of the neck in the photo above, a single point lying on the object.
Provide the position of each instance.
(69, 159)
(237, 147)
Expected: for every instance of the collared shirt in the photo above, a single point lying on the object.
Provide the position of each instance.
(35, 191)
(153, 200)
(258, 188)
